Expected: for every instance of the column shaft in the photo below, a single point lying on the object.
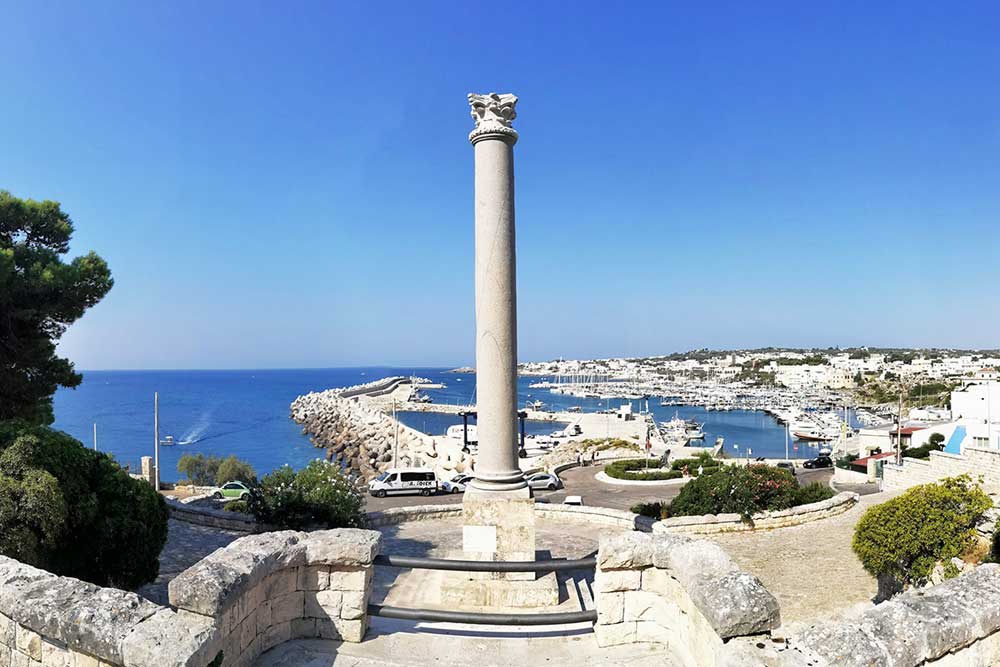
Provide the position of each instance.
(496, 316)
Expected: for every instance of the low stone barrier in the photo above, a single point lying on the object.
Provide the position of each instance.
(230, 607)
(708, 524)
(551, 511)
(604, 516)
(214, 518)
(953, 624)
(397, 515)
(683, 593)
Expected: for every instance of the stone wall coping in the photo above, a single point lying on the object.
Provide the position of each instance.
(911, 629)
(86, 618)
(949, 455)
(586, 513)
(606, 479)
(219, 580)
(800, 514)
(735, 603)
(208, 516)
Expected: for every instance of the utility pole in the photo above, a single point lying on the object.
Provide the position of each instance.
(899, 431)
(95, 436)
(156, 441)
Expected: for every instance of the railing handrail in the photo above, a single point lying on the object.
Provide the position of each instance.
(444, 616)
(550, 565)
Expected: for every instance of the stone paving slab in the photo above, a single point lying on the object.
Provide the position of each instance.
(451, 644)
(811, 568)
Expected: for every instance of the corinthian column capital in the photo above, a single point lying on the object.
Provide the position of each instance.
(493, 114)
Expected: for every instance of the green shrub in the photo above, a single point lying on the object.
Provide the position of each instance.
(318, 496)
(652, 510)
(75, 512)
(233, 469)
(903, 538)
(237, 506)
(934, 444)
(214, 471)
(198, 469)
(744, 490)
(846, 461)
(813, 493)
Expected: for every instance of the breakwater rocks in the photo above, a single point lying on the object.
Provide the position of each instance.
(351, 424)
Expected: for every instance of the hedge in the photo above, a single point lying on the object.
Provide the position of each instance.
(745, 490)
(318, 496)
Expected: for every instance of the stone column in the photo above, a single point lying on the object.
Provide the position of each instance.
(493, 140)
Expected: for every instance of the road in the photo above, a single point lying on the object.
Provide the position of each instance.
(581, 482)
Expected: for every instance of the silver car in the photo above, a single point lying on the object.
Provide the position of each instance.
(544, 481)
(456, 484)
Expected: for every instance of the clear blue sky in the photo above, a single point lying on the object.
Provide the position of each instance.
(289, 184)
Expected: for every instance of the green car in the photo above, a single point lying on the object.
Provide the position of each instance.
(232, 490)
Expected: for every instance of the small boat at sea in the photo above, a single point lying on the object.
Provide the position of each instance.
(812, 436)
(168, 441)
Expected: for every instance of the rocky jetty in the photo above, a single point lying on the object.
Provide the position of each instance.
(353, 426)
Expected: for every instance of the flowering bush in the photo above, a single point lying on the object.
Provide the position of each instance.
(743, 490)
(318, 496)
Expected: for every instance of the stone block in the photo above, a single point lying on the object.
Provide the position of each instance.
(248, 630)
(6, 656)
(353, 605)
(735, 604)
(7, 631)
(314, 577)
(349, 578)
(459, 590)
(84, 660)
(278, 633)
(217, 581)
(610, 608)
(630, 550)
(281, 583)
(303, 628)
(179, 639)
(19, 659)
(263, 617)
(286, 607)
(55, 655)
(28, 642)
(614, 635)
(609, 581)
(322, 604)
(343, 547)
(350, 630)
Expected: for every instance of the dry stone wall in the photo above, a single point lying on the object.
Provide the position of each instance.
(954, 624)
(975, 461)
(683, 593)
(227, 609)
(708, 524)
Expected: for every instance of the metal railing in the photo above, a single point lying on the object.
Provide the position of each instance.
(475, 618)
(552, 565)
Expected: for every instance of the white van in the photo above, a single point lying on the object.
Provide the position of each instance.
(404, 480)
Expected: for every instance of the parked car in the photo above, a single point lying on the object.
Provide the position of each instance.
(787, 465)
(544, 480)
(231, 490)
(457, 483)
(819, 462)
(404, 480)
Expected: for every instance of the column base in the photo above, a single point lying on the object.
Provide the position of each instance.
(459, 590)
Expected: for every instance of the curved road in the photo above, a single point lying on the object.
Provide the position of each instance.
(581, 482)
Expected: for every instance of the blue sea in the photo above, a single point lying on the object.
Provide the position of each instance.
(246, 413)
